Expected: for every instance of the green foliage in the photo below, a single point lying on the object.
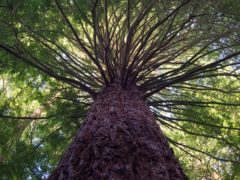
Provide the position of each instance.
(214, 124)
(32, 147)
(48, 80)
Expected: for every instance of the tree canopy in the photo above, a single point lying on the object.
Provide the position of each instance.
(183, 55)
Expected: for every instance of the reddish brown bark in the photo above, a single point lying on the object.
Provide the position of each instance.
(119, 140)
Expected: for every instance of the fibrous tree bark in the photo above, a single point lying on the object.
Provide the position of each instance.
(157, 50)
(120, 139)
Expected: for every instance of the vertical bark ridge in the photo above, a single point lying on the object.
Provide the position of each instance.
(119, 140)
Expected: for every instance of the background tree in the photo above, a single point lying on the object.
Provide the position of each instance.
(182, 55)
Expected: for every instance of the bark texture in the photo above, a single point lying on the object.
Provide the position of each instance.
(119, 140)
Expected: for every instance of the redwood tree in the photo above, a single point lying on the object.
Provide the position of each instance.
(128, 57)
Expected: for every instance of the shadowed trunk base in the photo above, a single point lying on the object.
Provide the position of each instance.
(119, 140)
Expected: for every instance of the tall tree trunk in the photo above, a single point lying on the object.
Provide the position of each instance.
(120, 139)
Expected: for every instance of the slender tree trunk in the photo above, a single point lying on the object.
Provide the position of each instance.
(119, 140)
